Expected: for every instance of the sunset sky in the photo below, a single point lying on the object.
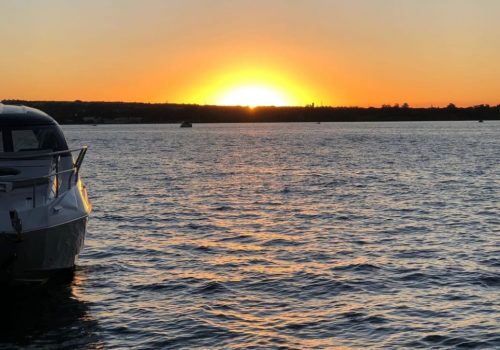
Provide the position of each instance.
(281, 52)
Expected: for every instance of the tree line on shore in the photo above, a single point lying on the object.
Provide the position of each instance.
(82, 112)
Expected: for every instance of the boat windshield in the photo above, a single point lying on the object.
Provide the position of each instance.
(32, 138)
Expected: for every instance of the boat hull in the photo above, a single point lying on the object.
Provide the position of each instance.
(37, 255)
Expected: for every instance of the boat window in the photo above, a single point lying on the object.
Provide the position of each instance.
(24, 140)
(32, 139)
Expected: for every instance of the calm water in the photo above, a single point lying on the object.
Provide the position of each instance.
(289, 236)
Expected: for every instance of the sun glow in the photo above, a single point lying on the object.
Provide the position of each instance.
(253, 96)
(251, 86)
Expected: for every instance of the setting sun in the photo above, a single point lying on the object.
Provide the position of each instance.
(251, 85)
(253, 96)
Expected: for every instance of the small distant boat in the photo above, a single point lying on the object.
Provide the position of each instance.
(480, 121)
(186, 125)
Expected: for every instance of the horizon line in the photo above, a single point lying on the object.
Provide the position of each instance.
(312, 105)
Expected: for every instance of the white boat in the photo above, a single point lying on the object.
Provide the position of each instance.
(44, 206)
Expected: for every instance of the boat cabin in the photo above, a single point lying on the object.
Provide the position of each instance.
(24, 129)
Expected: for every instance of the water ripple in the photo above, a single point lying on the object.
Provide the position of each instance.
(280, 236)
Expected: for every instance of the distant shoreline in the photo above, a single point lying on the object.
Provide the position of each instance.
(80, 112)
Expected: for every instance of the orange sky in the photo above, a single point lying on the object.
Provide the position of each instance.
(327, 52)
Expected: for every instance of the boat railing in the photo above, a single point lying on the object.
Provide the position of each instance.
(7, 186)
(19, 155)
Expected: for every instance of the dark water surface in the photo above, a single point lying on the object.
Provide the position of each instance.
(289, 236)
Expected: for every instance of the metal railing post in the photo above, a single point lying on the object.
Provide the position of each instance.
(57, 176)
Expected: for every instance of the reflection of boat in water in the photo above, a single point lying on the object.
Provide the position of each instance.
(43, 203)
(40, 316)
(186, 125)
